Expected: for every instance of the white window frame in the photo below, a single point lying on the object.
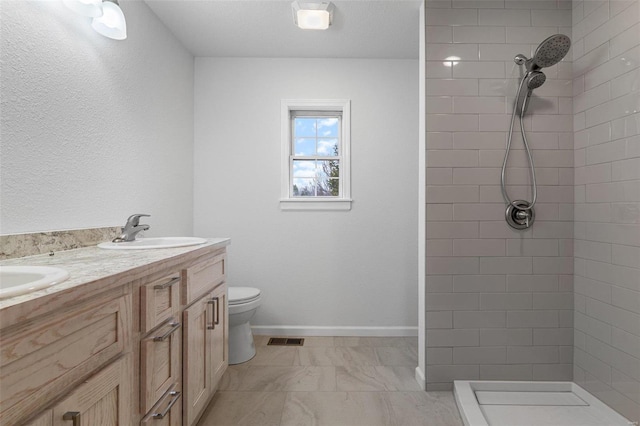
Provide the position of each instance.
(287, 201)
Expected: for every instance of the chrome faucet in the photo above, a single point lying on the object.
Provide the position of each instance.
(131, 229)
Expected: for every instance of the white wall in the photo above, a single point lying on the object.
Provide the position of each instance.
(606, 83)
(93, 129)
(331, 269)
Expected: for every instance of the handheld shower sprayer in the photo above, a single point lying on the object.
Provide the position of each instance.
(520, 213)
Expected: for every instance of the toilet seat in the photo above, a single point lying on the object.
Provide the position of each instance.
(239, 295)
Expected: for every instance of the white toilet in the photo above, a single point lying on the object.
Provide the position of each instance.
(243, 303)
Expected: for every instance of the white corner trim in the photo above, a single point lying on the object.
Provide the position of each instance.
(297, 330)
(420, 378)
(315, 204)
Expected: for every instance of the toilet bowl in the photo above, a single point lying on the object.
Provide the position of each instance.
(243, 303)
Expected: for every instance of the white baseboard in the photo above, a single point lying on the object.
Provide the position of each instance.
(296, 330)
(420, 378)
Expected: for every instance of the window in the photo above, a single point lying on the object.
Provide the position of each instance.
(315, 155)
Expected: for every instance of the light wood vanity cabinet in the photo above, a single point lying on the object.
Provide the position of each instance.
(150, 351)
(205, 343)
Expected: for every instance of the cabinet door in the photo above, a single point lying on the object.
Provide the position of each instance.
(219, 335)
(160, 366)
(196, 374)
(104, 399)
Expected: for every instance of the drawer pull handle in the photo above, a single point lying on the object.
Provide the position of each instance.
(212, 302)
(74, 416)
(176, 396)
(167, 284)
(217, 300)
(165, 336)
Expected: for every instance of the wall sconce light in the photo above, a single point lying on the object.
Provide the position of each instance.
(90, 8)
(112, 23)
(312, 16)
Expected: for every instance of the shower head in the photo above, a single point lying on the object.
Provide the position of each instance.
(550, 51)
(535, 79)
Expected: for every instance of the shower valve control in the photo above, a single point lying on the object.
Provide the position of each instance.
(520, 215)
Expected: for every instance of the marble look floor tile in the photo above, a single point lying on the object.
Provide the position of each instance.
(272, 378)
(371, 341)
(330, 356)
(260, 340)
(232, 378)
(397, 356)
(376, 378)
(423, 409)
(273, 355)
(335, 409)
(318, 341)
(244, 409)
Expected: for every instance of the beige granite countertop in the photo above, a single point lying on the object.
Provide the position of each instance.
(94, 265)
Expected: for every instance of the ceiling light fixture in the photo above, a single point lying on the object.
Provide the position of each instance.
(312, 16)
(112, 23)
(90, 8)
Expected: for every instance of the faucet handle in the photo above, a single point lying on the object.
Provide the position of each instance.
(134, 219)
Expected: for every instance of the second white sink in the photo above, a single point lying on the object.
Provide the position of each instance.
(153, 243)
(17, 280)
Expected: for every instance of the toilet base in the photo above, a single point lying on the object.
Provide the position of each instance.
(241, 346)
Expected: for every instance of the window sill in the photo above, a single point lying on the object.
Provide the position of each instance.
(315, 204)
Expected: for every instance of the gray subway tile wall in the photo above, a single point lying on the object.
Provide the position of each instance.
(606, 84)
(495, 306)
(560, 301)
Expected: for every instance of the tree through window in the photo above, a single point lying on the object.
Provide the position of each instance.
(316, 153)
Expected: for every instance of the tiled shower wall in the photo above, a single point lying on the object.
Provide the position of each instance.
(606, 36)
(499, 301)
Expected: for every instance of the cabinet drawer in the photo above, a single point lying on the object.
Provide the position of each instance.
(168, 411)
(202, 277)
(40, 360)
(104, 399)
(160, 363)
(159, 301)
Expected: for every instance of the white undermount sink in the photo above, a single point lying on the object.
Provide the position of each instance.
(17, 280)
(153, 243)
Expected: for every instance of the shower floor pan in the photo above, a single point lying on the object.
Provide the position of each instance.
(494, 403)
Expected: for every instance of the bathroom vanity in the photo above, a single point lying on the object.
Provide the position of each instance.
(133, 337)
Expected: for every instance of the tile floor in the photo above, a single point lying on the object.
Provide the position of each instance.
(330, 381)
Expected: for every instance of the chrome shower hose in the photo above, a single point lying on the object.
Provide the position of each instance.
(516, 203)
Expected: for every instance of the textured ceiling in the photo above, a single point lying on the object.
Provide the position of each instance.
(238, 28)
